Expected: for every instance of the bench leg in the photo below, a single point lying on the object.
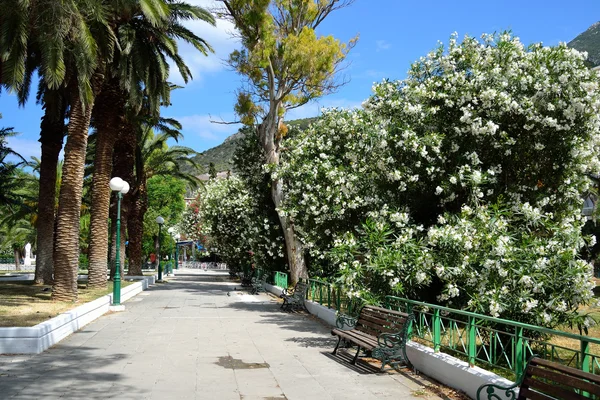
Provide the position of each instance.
(356, 356)
(337, 345)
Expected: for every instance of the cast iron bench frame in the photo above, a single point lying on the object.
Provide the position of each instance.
(246, 277)
(258, 284)
(294, 299)
(546, 380)
(382, 333)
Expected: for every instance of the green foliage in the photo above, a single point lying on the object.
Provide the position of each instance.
(10, 181)
(165, 199)
(249, 161)
(285, 62)
(235, 224)
(212, 171)
(372, 261)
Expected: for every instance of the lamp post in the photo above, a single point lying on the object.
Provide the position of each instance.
(121, 187)
(160, 221)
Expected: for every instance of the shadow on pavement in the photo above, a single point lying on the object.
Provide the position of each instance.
(344, 358)
(75, 372)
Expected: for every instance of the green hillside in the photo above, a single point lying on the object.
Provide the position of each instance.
(222, 155)
(589, 41)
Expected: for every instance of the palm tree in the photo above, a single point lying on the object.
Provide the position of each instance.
(67, 43)
(52, 132)
(18, 220)
(9, 179)
(154, 157)
(139, 71)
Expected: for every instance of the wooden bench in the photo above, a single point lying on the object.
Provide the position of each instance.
(546, 380)
(294, 299)
(382, 333)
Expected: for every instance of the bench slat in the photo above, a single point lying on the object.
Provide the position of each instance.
(386, 311)
(363, 342)
(566, 370)
(381, 320)
(560, 378)
(398, 319)
(376, 327)
(550, 389)
(368, 338)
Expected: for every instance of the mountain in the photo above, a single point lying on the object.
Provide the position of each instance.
(589, 41)
(222, 155)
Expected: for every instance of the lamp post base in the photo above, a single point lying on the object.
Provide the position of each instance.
(116, 308)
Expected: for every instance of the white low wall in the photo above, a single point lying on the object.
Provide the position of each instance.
(450, 370)
(36, 339)
(440, 366)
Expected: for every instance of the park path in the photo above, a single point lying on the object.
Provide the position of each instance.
(190, 339)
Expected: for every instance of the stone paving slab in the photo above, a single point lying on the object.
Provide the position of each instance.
(197, 338)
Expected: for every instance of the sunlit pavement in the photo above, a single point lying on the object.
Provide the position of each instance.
(197, 337)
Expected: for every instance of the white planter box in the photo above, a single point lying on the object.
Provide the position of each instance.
(36, 339)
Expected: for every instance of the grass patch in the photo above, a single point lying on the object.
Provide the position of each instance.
(24, 304)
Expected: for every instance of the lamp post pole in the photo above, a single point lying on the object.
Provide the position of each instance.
(160, 221)
(121, 187)
(117, 278)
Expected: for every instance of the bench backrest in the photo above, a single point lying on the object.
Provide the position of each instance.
(546, 380)
(300, 290)
(376, 320)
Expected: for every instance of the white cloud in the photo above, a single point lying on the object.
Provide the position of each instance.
(382, 45)
(202, 127)
(25, 147)
(220, 38)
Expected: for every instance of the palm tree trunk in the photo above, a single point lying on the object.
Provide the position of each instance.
(66, 253)
(135, 226)
(51, 136)
(123, 165)
(108, 113)
(17, 259)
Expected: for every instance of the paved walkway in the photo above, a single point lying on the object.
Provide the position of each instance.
(189, 339)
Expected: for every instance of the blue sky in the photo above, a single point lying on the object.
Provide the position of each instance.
(393, 33)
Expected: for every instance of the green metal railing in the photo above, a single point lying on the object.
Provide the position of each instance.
(479, 339)
(281, 279)
(496, 342)
(332, 296)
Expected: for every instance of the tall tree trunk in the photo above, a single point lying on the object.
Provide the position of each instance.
(135, 227)
(123, 165)
(108, 113)
(16, 254)
(51, 136)
(66, 253)
(269, 140)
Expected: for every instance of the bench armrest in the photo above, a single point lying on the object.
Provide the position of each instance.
(343, 321)
(391, 339)
(502, 392)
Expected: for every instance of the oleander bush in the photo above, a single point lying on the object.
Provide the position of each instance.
(471, 170)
